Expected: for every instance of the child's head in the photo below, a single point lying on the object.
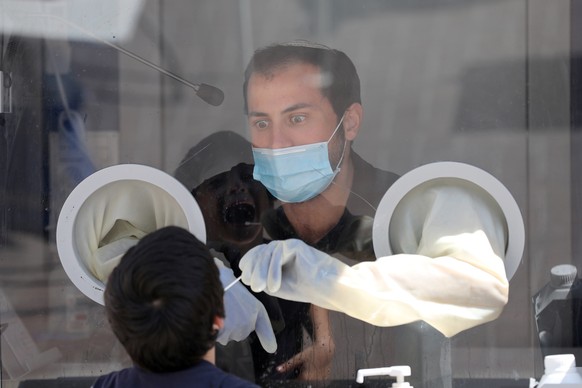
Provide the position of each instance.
(164, 300)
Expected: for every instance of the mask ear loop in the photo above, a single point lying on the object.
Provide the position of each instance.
(337, 166)
(337, 127)
(338, 169)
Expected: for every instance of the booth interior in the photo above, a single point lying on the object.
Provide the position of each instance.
(104, 108)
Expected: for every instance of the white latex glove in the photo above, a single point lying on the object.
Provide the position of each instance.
(116, 216)
(450, 275)
(243, 313)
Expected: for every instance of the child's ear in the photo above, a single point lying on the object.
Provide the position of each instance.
(218, 323)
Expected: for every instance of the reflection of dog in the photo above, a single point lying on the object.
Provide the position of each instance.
(232, 204)
(219, 173)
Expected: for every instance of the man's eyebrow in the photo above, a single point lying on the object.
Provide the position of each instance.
(256, 114)
(292, 108)
(300, 105)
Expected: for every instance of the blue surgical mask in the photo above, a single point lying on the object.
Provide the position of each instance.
(296, 174)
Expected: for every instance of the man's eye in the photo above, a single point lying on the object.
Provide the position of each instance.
(297, 119)
(262, 124)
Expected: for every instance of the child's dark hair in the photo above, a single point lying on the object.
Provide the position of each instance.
(162, 299)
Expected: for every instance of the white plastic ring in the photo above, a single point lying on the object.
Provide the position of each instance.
(463, 171)
(74, 265)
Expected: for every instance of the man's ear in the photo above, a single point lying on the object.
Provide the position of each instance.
(352, 120)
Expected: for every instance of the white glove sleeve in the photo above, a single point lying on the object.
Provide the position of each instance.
(116, 216)
(449, 276)
(243, 314)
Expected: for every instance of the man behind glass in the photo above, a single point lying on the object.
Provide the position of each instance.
(304, 112)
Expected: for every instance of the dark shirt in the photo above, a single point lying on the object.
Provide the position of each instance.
(352, 235)
(203, 374)
(368, 187)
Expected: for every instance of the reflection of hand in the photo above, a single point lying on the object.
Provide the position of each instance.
(315, 361)
(243, 314)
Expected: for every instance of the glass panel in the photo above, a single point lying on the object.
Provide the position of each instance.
(160, 84)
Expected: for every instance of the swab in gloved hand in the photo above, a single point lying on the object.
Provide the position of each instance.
(235, 281)
(243, 313)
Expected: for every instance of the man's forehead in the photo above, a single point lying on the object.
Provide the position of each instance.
(303, 73)
(306, 43)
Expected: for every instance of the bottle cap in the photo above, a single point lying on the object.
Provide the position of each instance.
(559, 363)
(563, 275)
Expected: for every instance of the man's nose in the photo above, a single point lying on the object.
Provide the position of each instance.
(280, 137)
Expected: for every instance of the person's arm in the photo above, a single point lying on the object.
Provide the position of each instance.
(451, 275)
(315, 361)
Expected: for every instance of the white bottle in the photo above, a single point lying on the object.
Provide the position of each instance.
(560, 371)
(399, 371)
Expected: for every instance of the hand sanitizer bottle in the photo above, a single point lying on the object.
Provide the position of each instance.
(560, 372)
(398, 371)
(558, 312)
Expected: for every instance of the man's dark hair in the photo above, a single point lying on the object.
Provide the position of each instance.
(341, 82)
(162, 298)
